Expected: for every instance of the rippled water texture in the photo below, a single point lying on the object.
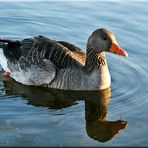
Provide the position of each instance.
(40, 117)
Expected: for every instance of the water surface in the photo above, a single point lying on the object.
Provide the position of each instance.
(117, 117)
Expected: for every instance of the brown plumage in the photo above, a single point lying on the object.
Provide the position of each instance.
(60, 64)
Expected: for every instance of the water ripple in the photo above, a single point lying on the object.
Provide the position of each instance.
(129, 86)
(74, 22)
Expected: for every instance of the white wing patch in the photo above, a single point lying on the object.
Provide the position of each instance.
(3, 61)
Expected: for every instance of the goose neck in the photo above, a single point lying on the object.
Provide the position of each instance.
(94, 60)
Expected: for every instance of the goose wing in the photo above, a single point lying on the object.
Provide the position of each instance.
(78, 54)
(62, 54)
(46, 55)
(33, 50)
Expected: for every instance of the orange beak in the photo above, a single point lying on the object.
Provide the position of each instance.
(118, 50)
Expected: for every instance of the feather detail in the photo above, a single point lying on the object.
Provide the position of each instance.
(57, 64)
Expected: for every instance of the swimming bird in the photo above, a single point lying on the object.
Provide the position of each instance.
(41, 61)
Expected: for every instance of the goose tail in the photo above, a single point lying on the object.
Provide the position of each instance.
(9, 52)
(11, 49)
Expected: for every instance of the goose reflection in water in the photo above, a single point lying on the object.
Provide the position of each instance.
(97, 125)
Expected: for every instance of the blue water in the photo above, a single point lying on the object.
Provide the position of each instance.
(36, 117)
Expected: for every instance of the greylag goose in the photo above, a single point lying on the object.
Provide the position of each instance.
(56, 64)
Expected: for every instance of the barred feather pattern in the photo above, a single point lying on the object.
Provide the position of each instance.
(42, 47)
(94, 60)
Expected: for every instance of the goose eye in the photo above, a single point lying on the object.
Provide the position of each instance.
(104, 38)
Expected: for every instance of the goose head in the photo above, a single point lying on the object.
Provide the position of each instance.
(104, 40)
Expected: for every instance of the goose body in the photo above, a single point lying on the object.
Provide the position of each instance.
(42, 61)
